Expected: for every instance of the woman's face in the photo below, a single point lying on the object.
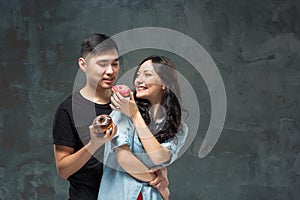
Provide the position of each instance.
(148, 84)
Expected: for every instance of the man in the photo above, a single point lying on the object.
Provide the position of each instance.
(78, 150)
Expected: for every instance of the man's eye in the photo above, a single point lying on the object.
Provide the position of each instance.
(148, 75)
(115, 64)
(102, 64)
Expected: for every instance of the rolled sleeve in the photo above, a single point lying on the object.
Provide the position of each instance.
(176, 143)
(124, 129)
(121, 138)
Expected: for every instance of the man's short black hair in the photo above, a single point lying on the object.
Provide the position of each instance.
(97, 43)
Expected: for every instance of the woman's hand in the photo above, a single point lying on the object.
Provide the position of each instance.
(124, 105)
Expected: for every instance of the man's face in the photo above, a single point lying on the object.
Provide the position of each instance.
(102, 70)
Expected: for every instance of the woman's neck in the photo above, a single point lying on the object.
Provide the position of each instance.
(158, 112)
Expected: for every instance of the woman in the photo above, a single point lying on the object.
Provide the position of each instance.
(150, 133)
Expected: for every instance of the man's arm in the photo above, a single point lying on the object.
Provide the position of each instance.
(68, 162)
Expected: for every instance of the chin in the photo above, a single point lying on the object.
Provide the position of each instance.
(142, 97)
(139, 96)
(106, 86)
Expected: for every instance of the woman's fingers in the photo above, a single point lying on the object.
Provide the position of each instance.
(131, 96)
(113, 107)
(115, 102)
(120, 98)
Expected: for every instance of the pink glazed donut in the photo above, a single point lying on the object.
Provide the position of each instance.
(124, 90)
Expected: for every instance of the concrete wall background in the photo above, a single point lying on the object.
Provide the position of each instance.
(255, 45)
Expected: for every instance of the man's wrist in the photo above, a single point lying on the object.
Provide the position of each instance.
(92, 147)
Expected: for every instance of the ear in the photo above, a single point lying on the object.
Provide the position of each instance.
(82, 64)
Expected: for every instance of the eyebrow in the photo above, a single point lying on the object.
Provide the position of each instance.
(147, 70)
(115, 60)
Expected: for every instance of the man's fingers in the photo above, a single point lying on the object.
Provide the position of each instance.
(156, 184)
(155, 170)
(114, 129)
(110, 133)
(155, 181)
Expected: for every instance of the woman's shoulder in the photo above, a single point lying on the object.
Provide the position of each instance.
(184, 128)
(120, 118)
(182, 133)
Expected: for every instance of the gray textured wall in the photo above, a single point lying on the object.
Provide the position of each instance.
(255, 45)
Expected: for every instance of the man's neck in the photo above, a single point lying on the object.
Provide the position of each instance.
(99, 95)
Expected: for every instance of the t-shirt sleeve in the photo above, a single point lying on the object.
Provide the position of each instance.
(176, 143)
(62, 129)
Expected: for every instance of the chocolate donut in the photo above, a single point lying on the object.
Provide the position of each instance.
(102, 123)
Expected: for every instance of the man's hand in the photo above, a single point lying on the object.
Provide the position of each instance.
(68, 162)
(161, 181)
(97, 140)
(165, 194)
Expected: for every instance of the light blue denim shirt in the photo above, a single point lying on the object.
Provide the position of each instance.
(116, 183)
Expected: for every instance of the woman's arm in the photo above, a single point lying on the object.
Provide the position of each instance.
(157, 153)
(132, 165)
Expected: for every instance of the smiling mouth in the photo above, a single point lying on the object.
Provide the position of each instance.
(142, 88)
(108, 79)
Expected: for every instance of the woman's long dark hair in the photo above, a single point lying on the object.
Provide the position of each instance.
(171, 100)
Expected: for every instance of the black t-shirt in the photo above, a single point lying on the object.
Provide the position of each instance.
(70, 128)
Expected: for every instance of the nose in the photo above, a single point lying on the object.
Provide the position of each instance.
(138, 80)
(109, 69)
